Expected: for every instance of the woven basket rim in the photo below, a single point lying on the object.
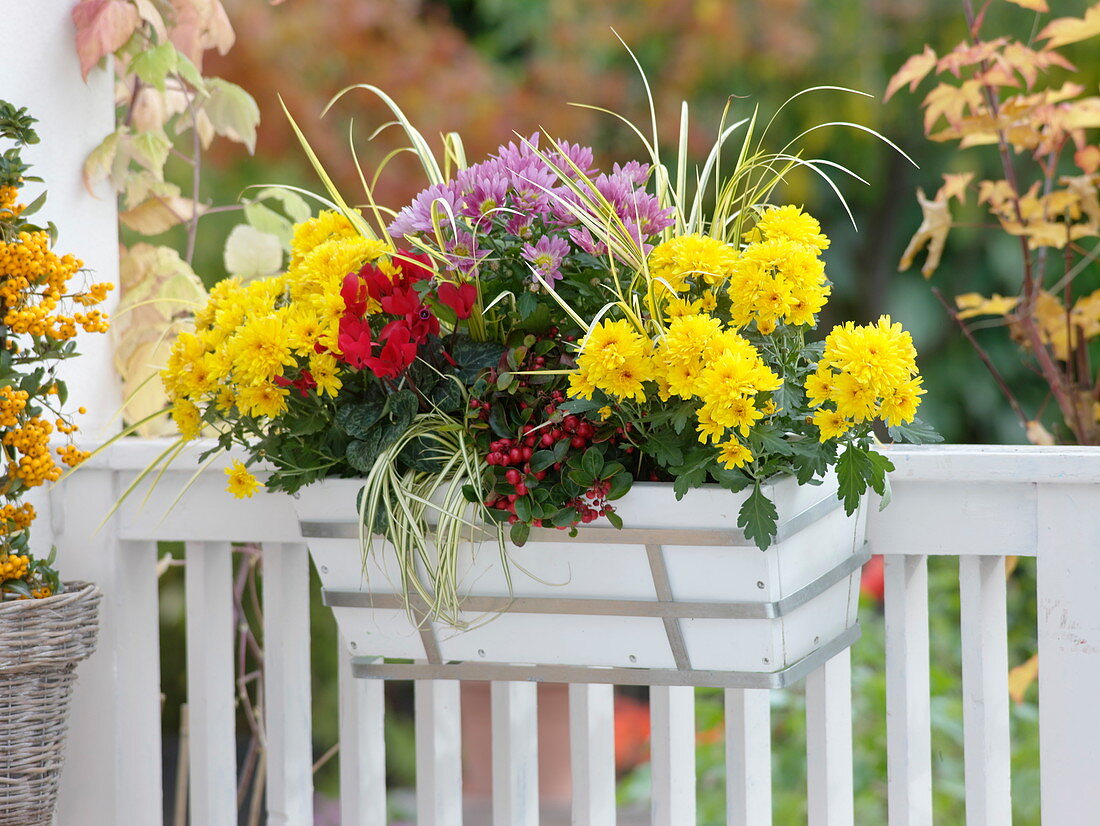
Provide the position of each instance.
(76, 591)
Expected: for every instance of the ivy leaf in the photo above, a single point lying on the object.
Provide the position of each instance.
(357, 419)
(758, 518)
(232, 112)
(252, 253)
(154, 65)
(916, 433)
(102, 26)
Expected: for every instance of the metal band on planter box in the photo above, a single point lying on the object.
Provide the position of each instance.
(664, 608)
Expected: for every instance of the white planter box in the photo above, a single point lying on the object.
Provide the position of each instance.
(747, 611)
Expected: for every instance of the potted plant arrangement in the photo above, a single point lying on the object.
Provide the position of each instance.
(46, 626)
(558, 415)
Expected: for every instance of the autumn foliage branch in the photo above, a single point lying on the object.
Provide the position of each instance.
(1023, 99)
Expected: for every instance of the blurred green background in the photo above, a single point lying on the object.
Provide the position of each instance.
(491, 68)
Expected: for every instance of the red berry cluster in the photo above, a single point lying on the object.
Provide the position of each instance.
(515, 454)
(592, 504)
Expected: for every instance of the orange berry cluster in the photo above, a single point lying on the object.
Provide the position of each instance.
(32, 440)
(72, 456)
(12, 404)
(14, 518)
(8, 207)
(14, 566)
(33, 285)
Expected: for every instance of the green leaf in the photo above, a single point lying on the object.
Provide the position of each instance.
(423, 455)
(519, 533)
(579, 406)
(665, 452)
(357, 419)
(614, 519)
(475, 356)
(401, 407)
(269, 221)
(680, 418)
(730, 478)
(856, 470)
(294, 205)
(564, 517)
(150, 149)
(542, 459)
(758, 518)
(620, 484)
(526, 304)
(523, 509)
(769, 440)
(154, 65)
(579, 477)
(447, 396)
(693, 472)
(592, 462)
(916, 433)
(232, 112)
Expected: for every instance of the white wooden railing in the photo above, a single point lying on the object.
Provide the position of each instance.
(978, 503)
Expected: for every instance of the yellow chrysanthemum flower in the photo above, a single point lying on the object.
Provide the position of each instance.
(733, 454)
(790, 223)
(262, 400)
(309, 234)
(831, 423)
(187, 417)
(680, 261)
(241, 483)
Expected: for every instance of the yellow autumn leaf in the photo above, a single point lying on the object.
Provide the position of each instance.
(1034, 5)
(1088, 159)
(933, 229)
(159, 214)
(912, 71)
(1086, 314)
(1071, 29)
(975, 304)
(1038, 435)
(952, 103)
(954, 185)
(1053, 329)
(1021, 677)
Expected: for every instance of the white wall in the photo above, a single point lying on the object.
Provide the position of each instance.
(40, 71)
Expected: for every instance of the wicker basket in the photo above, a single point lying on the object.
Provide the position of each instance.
(41, 642)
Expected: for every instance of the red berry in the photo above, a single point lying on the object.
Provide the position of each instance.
(547, 439)
(540, 475)
(511, 498)
(570, 422)
(527, 453)
(586, 429)
(521, 489)
(515, 456)
(512, 476)
(577, 442)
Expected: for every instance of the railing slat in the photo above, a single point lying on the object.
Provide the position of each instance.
(362, 746)
(1069, 665)
(987, 755)
(672, 749)
(210, 684)
(288, 713)
(830, 798)
(515, 753)
(592, 753)
(748, 757)
(908, 714)
(438, 753)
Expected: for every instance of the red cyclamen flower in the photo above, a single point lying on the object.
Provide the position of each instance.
(460, 298)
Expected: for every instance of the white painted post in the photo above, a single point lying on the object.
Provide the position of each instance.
(40, 71)
(113, 749)
(592, 753)
(515, 753)
(672, 754)
(1069, 652)
(986, 748)
(438, 753)
(830, 797)
(748, 757)
(908, 712)
(288, 714)
(362, 747)
(211, 684)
